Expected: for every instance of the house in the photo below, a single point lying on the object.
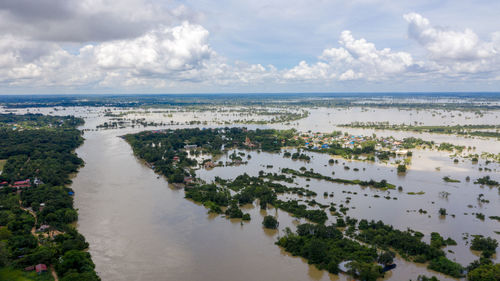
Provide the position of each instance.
(37, 181)
(188, 180)
(22, 184)
(26, 181)
(345, 266)
(40, 268)
(3, 183)
(401, 152)
(43, 228)
(248, 142)
(176, 158)
(209, 165)
(190, 146)
(29, 268)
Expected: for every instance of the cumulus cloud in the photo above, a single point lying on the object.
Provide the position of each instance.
(355, 59)
(159, 51)
(143, 49)
(161, 58)
(164, 53)
(454, 51)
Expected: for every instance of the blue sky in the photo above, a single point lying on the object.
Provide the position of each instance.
(197, 46)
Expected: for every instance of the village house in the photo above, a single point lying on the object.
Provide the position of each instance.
(37, 181)
(188, 180)
(248, 142)
(43, 228)
(40, 268)
(22, 184)
(190, 146)
(209, 165)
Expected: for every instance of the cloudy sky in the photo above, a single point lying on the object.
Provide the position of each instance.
(201, 46)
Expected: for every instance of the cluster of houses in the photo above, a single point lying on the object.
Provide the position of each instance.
(319, 141)
(21, 184)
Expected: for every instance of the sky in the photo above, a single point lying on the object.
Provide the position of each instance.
(248, 46)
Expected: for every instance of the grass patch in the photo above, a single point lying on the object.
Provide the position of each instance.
(11, 274)
(448, 179)
(416, 193)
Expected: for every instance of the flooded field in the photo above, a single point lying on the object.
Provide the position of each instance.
(141, 228)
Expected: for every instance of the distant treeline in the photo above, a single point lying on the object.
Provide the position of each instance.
(469, 130)
(393, 100)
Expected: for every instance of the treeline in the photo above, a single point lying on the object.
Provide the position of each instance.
(44, 156)
(408, 244)
(469, 130)
(383, 184)
(488, 101)
(31, 120)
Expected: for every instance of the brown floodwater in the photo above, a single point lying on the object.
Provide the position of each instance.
(140, 228)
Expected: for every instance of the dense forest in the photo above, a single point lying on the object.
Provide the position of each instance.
(36, 121)
(36, 206)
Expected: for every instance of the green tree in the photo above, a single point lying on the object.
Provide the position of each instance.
(487, 272)
(75, 261)
(386, 258)
(270, 222)
(401, 168)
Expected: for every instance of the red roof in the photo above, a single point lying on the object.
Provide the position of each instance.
(27, 181)
(3, 183)
(41, 267)
(21, 185)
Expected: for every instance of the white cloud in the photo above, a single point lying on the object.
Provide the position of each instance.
(454, 51)
(159, 59)
(172, 57)
(303, 71)
(350, 75)
(355, 59)
(445, 43)
(159, 51)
